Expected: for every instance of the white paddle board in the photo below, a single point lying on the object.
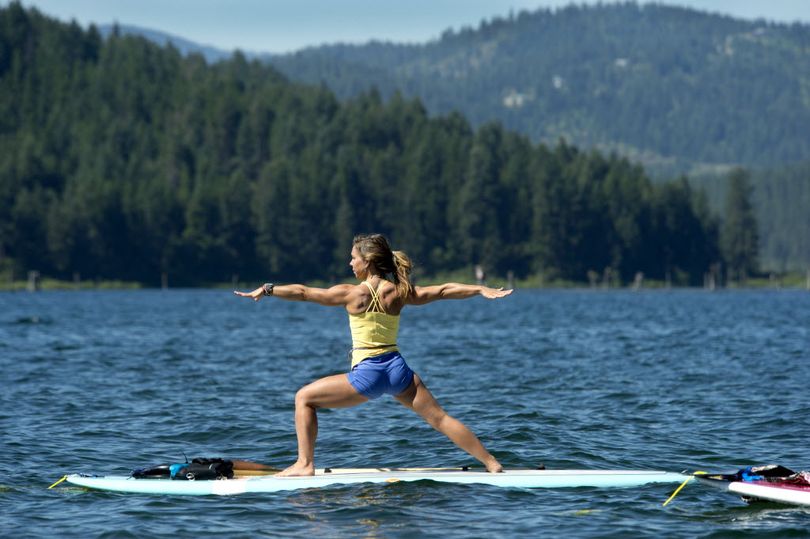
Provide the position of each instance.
(336, 477)
(764, 490)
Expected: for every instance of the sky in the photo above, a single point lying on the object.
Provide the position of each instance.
(279, 26)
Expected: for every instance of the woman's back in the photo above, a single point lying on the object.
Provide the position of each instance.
(363, 298)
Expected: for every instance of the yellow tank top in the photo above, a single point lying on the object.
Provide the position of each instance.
(374, 332)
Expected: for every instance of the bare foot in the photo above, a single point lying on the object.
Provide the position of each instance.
(493, 466)
(297, 470)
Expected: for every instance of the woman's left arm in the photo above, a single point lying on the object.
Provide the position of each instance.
(427, 294)
(333, 296)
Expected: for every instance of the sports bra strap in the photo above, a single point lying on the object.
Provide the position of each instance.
(375, 306)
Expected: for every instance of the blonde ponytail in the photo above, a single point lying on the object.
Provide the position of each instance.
(403, 266)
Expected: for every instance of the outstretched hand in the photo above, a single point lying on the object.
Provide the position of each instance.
(494, 293)
(256, 295)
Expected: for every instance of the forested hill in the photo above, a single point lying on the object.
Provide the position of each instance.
(122, 159)
(668, 86)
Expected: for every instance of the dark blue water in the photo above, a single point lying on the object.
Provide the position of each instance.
(103, 382)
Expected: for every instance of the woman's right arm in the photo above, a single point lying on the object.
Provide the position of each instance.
(427, 294)
(333, 296)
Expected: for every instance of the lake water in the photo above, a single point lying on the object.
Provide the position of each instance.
(106, 381)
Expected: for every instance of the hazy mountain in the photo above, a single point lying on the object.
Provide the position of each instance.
(185, 46)
(672, 87)
(676, 89)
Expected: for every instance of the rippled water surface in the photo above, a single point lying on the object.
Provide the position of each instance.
(104, 382)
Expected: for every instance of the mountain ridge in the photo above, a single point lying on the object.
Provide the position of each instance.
(617, 77)
(183, 45)
(675, 89)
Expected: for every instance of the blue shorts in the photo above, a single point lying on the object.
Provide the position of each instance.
(386, 373)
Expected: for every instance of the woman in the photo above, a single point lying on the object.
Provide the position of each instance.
(377, 366)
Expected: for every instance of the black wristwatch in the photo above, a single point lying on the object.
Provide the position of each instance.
(268, 289)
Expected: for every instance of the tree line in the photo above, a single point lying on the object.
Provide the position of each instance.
(121, 159)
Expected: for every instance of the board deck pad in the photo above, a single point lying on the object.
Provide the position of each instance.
(516, 478)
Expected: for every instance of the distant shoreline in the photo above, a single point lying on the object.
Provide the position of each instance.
(776, 282)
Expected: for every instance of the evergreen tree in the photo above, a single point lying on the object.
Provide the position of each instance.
(740, 240)
(479, 201)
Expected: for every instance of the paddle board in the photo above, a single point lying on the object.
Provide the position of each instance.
(761, 490)
(338, 477)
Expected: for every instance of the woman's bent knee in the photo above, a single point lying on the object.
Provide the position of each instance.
(303, 397)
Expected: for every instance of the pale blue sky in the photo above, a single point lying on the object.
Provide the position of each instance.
(286, 25)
